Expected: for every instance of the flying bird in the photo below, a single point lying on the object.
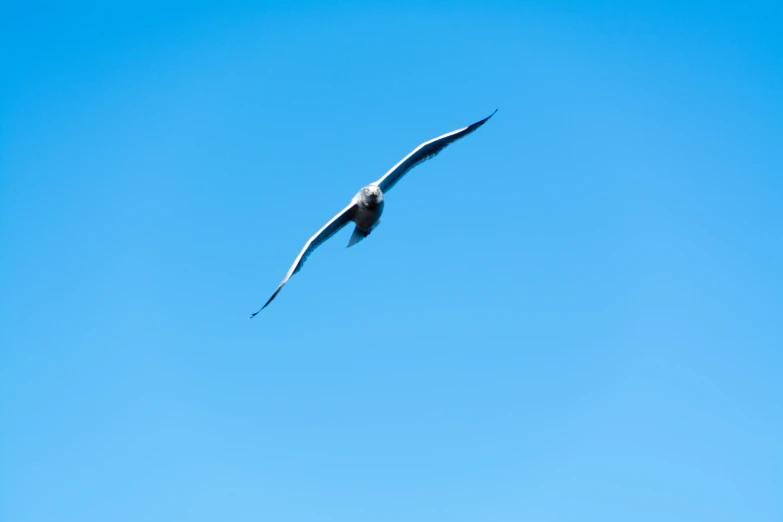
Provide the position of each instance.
(367, 205)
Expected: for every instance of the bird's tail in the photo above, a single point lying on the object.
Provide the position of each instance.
(358, 235)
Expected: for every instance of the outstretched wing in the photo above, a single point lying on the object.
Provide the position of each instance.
(328, 230)
(424, 152)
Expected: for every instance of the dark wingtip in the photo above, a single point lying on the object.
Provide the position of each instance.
(267, 303)
(482, 122)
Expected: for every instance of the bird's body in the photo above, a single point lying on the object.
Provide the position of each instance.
(367, 215)
(366, 207)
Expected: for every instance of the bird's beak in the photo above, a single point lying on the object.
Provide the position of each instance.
(375, 192)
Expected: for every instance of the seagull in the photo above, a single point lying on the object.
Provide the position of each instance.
(367, 205)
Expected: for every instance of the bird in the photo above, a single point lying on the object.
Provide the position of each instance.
(366, 207)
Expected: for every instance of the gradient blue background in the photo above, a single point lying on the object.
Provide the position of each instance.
(573, 314)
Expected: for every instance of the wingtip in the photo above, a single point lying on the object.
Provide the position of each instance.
(482, 122)
(267, 303)
(259, 310)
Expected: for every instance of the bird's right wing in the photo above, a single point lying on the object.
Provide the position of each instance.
(327, 231)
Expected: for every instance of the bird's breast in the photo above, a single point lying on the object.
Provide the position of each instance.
(366, 217)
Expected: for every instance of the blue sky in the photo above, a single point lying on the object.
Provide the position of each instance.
(572, 314)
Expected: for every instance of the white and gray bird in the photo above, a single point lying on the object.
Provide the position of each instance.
(366, 207)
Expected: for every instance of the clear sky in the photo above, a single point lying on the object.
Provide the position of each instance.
(575, 313)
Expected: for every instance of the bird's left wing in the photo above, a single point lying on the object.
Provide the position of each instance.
(425, 151)
(328, 230)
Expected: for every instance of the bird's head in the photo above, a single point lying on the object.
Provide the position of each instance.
(372, 194)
